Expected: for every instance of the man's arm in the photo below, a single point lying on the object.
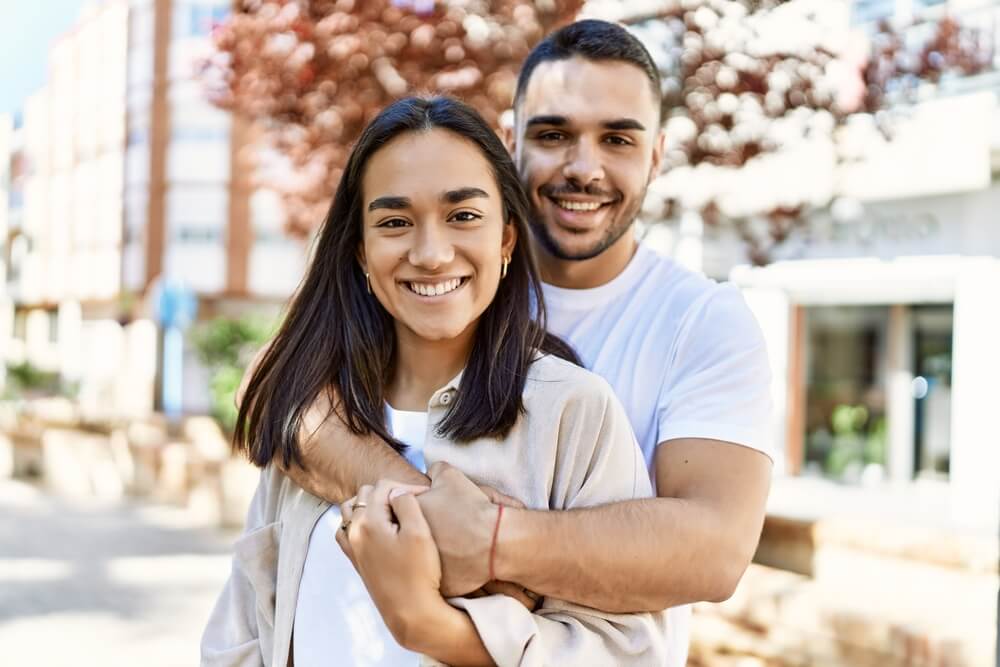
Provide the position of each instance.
(691, 543)
(337, 461)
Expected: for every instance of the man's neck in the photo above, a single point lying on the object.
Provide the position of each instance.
(423, 367)
(589, 273)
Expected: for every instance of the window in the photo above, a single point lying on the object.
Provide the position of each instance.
(197, 20)
(933, 326)
(846, 428)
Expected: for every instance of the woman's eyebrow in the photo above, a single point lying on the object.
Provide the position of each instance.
(394, 203)
(460, 195)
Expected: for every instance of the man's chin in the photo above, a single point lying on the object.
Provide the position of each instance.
(571, 247)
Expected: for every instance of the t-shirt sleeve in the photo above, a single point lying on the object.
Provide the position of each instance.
(718, 382)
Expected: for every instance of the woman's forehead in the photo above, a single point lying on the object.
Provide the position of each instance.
(427, 163)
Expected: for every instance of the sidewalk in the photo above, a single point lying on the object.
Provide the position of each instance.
(87, 583)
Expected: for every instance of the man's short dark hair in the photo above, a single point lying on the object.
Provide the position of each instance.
(594, 40)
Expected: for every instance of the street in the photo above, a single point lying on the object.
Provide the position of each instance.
(85, 583)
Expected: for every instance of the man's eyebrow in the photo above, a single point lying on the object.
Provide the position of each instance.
(460, 195)
(558, 121)
(394, 203)
(624, 124)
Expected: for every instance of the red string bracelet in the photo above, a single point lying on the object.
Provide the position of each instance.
(493, 546)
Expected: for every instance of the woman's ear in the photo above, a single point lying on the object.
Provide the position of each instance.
(509, 239)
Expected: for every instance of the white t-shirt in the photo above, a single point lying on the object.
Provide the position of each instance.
(336, 622)
(684, 355)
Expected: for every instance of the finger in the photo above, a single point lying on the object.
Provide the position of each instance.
(498, 498)
(510, 590)
(437, 469)
(408, 512)
(364, 493)
(345, 545)
(347, 510)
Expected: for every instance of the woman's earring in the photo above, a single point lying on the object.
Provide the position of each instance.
(368, 282)
(503, 268)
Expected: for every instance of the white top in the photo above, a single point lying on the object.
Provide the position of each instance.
(336, 622)
(684, 355)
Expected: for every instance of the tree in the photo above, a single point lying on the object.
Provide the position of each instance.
(314, 72)
(757, 91)
(745, 82)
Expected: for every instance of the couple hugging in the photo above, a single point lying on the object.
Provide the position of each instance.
(494, 427)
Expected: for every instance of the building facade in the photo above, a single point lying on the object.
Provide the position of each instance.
(122, 178)
(883, 327)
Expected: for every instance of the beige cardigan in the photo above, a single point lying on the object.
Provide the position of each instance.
(573, 447)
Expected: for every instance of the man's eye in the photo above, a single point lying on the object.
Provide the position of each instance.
(393, 223)
(618, 141)
(466, 216)
(550, 136)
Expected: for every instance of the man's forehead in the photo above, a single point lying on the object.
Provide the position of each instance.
(589, 92)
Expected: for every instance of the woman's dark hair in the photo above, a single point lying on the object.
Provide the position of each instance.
(337, 338)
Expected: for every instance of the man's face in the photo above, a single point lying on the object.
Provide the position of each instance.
(587, 142)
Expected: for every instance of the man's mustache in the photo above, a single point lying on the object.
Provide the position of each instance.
(571, 189)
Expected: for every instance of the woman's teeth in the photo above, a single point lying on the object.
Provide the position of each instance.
(435, 289)
(578, 205)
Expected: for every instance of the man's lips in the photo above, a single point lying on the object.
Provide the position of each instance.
(578, 214)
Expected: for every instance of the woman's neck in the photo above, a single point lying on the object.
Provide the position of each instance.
(423, 367)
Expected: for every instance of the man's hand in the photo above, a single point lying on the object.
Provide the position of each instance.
(462, 517)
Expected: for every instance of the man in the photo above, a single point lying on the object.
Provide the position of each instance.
(683, 354)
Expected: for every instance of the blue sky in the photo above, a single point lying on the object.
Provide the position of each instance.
(27, 29)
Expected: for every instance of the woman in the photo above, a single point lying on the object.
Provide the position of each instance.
(422, 313)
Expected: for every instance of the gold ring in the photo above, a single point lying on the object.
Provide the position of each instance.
(358, 506)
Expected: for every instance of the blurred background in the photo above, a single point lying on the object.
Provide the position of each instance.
(164, 164)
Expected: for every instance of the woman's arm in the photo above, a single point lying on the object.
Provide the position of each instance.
(232, 634)
(596, 461)
(399, 564)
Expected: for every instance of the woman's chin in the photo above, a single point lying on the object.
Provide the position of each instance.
(438, 333)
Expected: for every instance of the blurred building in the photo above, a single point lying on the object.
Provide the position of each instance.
(884, 329)
(123, 177)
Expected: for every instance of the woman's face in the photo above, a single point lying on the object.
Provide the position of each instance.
(434, 233)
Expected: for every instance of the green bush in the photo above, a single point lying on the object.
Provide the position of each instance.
(27, 379)
(226, 346)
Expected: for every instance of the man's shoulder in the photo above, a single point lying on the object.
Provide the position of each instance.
(553, 378)
(674, 293)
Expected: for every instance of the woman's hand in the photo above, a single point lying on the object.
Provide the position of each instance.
(391, 546)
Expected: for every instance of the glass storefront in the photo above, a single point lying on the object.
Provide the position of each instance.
(845, 417)
(866, 366)
(932, 343)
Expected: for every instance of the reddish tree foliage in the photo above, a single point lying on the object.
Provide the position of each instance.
(742, 79)
(314, 72)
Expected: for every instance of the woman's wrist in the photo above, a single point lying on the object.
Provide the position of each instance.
(448, 635)
(425, 627)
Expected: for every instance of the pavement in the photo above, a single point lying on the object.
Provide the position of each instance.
(84, 582)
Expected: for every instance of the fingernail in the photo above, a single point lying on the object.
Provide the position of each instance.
(396, 493)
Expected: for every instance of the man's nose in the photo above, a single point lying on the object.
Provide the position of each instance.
(583, 164)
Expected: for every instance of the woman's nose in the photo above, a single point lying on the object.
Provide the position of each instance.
(432, 248)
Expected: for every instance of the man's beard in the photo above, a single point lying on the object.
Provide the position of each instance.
(615, 231)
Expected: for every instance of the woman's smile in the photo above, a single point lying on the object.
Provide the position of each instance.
(434, 290)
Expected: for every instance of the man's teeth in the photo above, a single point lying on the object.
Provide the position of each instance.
(578, 205)
(435, 289)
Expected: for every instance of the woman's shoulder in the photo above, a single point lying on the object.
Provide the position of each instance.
(552, 378)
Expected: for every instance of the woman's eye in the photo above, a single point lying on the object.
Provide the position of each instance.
(393, 223)
(466, 216)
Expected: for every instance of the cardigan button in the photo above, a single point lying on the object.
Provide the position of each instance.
(446, 398)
